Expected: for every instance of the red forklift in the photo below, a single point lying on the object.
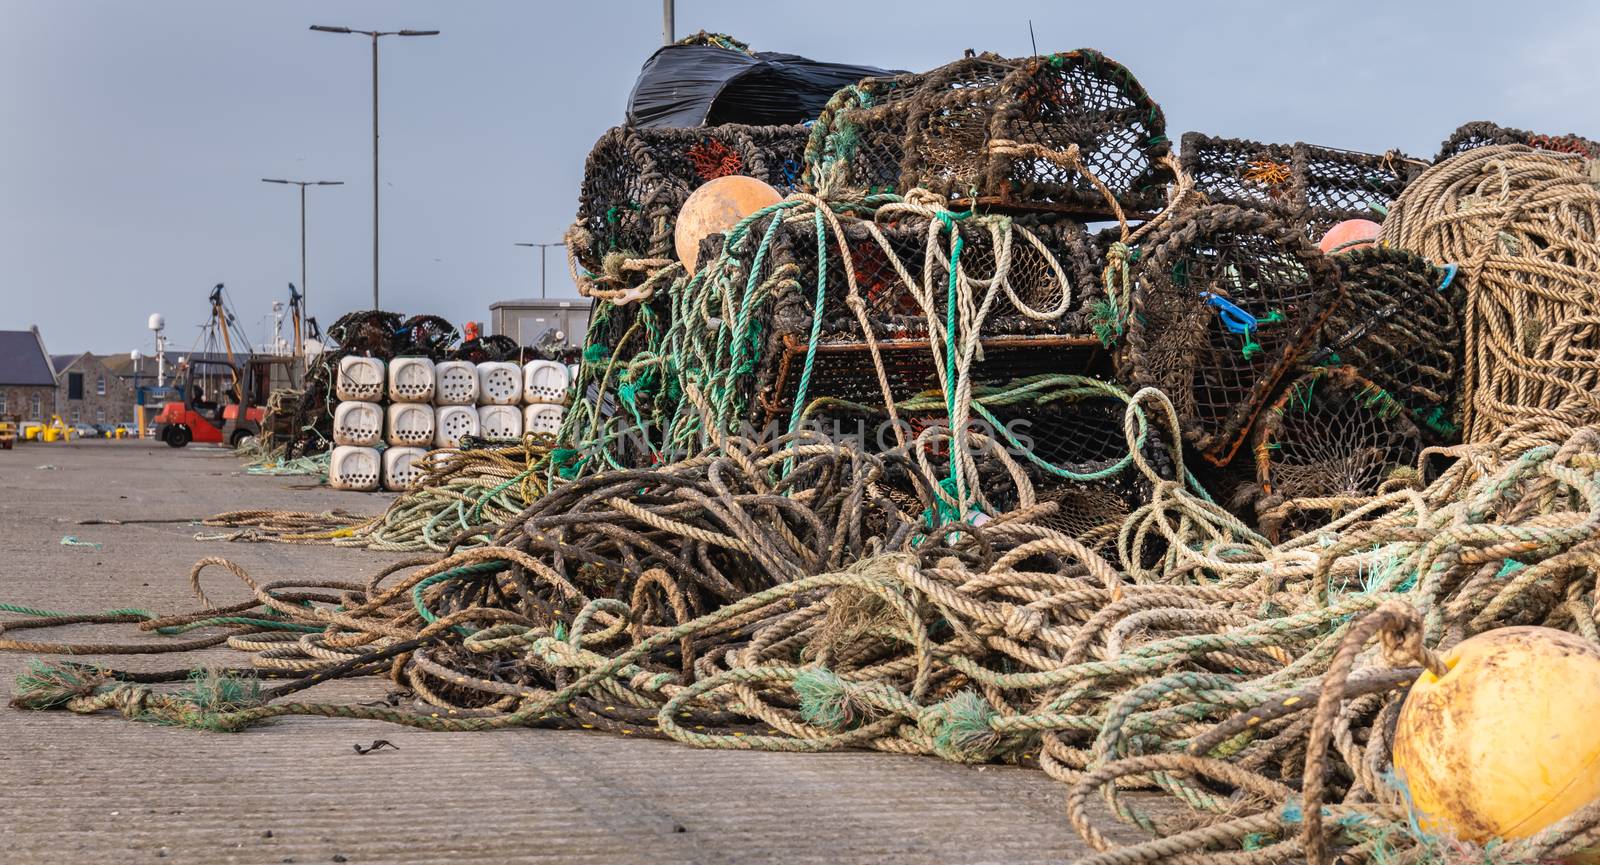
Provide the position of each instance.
(218, 403)
(204, 413)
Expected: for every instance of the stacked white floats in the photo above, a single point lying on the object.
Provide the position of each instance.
(544, 389)
(357, 424)
(410, 422)
(434, 405)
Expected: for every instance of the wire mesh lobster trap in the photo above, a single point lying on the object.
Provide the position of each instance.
(1064, 433)
(1332, 439)
(1225, 301)
(1482, 133)
(1026, 294)
(1399, 326)
(1042, 133)
(636, 180)
(1315, 187)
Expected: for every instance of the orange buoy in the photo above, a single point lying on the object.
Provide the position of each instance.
(1506, 742)
(716, 207)
(1348, 231)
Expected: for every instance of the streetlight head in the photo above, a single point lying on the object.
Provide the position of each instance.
(524, 244)
(417, 33)
(272, 180)
(324, 29)
(330, 183)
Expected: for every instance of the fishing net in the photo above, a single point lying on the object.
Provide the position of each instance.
(1482, 133)
(1315, 187)
(1399, 326)
(617, 398)
(1226, 300)
(636, 180)
(1523, 226)
(1329, 443)
(1065, 132)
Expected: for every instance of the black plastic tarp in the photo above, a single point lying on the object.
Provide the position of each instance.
(703, 85)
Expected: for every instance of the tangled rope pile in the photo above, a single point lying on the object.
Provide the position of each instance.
(1524, 227)
(461, 497)
(726, 604)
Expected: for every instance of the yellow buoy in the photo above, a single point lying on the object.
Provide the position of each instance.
(716, 207)
(1507, 741)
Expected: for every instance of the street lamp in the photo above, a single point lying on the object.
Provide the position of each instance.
(374, 34)
(542, 247)
(302, 184)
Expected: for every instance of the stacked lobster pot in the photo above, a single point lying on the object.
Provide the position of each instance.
(979, 272)
(1005, 301)
(953, 294)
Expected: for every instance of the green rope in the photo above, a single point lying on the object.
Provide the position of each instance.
(816, 326)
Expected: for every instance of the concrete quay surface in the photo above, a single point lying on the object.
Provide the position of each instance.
(77, 789)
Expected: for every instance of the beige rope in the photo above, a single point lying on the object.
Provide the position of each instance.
(1523, 226)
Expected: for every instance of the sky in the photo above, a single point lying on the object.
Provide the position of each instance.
(134, 136)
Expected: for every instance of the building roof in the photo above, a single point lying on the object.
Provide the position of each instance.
(23, 360)
(62, 361)
(121, 364)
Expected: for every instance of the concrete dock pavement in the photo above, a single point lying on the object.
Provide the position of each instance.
(103, 789)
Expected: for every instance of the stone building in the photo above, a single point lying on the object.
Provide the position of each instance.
(27, 379)
(87, 391)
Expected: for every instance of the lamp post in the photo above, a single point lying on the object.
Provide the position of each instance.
(374, 34)
(302, 184)
(542, 247)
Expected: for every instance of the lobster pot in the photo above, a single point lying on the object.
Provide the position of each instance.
(1025, 133)
(1225, 301)
(1041, 318)
(354, 468)
(499, 383)
(1332, 439)
(400, 470)
(1064, 432)
(544, 418)
(1315, 187)
(1048, 273)
(1482, 133)
(411, 379)
(499, 422)
(455, 382)
(410, 424)
(636, 179)
(358, 424)
(360, 378)
(451, 423)
(544, 381)
(1399, 326)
